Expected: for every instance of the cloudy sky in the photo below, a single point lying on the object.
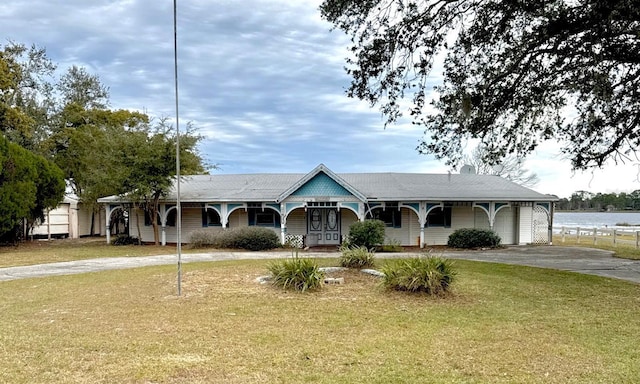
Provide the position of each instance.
(262, 80)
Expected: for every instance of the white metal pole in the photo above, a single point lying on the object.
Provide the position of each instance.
(178, 208)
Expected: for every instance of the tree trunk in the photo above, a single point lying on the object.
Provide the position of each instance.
(154, 214)
(138, 226)
(93, 216)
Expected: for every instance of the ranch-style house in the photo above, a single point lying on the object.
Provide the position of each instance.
(317, 208)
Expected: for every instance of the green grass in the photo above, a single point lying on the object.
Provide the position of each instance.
(502, 324)
(621, 250)
(38, 252)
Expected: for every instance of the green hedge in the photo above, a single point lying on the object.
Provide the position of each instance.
(474, 238)
(368, 233)
(249, 238)
(125, 240)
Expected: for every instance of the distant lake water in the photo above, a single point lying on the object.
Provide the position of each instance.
(595, 219)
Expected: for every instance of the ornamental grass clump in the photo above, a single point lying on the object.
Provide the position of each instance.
(432, 275)
(299, 274)
(356, 257)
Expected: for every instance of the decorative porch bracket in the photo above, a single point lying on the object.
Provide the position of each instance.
(491, 209)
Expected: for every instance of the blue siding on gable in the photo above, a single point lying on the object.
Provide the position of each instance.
(321, 185)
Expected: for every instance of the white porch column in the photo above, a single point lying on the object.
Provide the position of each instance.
(163, 224)
(283, 224)
(224, 215)
(421, 235)
(107, 210)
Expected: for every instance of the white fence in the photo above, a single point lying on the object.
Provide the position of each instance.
(606, 236)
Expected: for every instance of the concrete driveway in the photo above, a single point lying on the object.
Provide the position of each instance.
(582, 260)
(576, 259)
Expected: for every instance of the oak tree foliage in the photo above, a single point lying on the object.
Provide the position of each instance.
(515, 73)
(26, 94)
(147, 158)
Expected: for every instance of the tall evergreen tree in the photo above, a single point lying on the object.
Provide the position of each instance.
(29, 186)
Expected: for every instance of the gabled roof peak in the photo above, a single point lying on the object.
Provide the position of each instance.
(321, 168)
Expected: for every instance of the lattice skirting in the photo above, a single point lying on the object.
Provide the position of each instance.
(540, 226)
(294, 241)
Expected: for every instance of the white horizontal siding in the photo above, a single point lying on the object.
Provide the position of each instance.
(504, 225)
(191, 221)
(85, 216)
(409, 231)
(84, 222)
(461, 217)
(136, 221)
(348, 217)
(238, 218)
(56, 222)
(481, 220)
(525, 235)
(297, 222)
(100, 225)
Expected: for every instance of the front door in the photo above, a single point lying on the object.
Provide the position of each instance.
(324, 226)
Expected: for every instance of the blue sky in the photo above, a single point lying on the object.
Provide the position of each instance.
(262, 80)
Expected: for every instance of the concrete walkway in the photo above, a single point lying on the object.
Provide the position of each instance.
(582, 260)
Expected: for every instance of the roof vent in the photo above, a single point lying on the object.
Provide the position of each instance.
(468, 170)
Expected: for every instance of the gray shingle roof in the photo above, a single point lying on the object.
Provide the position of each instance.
(266, 187)
(242, 187)
(451, 187)
(374, 186)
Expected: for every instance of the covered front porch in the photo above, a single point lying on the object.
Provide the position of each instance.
(327, 223)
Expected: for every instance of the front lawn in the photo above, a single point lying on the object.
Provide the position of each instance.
(503, 324)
